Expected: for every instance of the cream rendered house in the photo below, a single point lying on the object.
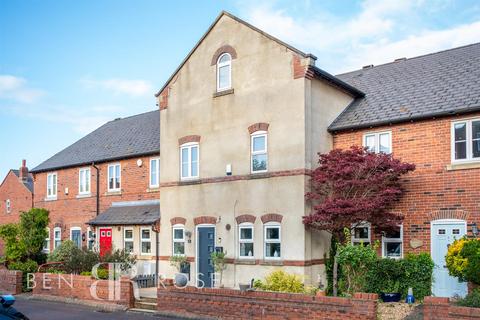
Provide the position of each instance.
(241, 122)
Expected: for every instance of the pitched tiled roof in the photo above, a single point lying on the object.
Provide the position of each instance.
(437, 84)
(129, 213)
(122, 138)
(28, 183)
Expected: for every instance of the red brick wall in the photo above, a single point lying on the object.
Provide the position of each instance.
(431, 187)
(78, 287)
(69, 211)
(20, 200)
(440, 308)
(234, 304)
(10, 282)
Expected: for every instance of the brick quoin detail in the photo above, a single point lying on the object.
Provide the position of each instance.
(260, 126)
(178, 220)
(187, 139)
(204, 220)
(245, 218)
(163, 99)
(299, 70)
(223, 49)
(449, 214)
(272, 217)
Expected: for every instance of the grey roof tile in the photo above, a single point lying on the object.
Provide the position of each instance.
(121, 138)
(442, 83)
(129, 213)
(28, 183)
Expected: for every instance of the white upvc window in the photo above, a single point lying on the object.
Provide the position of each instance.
(466, 140)
(84, 181)
(224, 72)
(90, 238)
(46, 243)
(392, 244)
(145, 241)
(378, 142)
(114, 177)
(57, 237)
(361, 233)
(154, 172)
(178, 235)
(272, 239)
(128, 240)
(8, 205)
(189, 163)
(245, 241)
(259, 155)
(76, 236)
(52, 185)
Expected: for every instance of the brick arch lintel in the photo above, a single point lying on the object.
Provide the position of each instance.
(259, 126)
(272, 217)
(178, 220)
(449, 214)
(224, 49)
(187, 139)
(205, 220)
(245, 218)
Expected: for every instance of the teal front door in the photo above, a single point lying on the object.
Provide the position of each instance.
(443, 234)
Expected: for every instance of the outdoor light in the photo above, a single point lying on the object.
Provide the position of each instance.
(475, 229)
(189, 236)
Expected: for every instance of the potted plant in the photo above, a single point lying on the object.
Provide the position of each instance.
(180, 263)
(218, 260)
(391, 291)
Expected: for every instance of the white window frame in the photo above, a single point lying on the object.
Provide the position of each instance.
(46, 244)
(90, 238)
(223, 65)
(55, 239)
(71, 234)
(142, 240)
(155, 167)
(182, 240)
(53, 189)
(361, 240)
(132, 239)
(85, 181)
(377, 140)
(246, 225)
(253, 153)
(394, 240)
(266, 241)
(469, 141)
(119, 178)
(8, 206)
(189, 146)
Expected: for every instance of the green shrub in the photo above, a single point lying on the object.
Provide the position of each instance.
(70, 255)
(463, 260)
(471, 300)
(119, 256)
(471, 250)
(102, 273)
(281, 281)
(86, 273)
(26, 267)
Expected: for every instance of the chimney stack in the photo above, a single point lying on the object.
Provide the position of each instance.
(23, 171)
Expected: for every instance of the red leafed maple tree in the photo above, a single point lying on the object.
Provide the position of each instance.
(354, 186)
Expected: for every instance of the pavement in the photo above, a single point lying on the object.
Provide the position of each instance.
(53, 310)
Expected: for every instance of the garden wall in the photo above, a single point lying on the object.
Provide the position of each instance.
(79, 287)
(234, 304)
(10, 281)
(435, 308)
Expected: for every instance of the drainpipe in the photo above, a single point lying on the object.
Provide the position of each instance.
(98, 187)
(156, 258)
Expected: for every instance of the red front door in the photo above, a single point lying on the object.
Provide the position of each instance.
(105, 240)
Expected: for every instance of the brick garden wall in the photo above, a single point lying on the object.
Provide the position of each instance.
(72, 210)
(432, 191)
(234, 304)
(10, 281)
(78, 287)
(440, 308)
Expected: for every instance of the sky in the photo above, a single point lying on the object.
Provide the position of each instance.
(67, 67)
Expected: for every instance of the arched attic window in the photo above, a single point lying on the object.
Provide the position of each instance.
(224, 72)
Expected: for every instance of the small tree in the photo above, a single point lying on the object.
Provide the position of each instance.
(219, 263)
(353, 186)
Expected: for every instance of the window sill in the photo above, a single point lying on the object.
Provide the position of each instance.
(245, 261)
(153, 189)
(223, 93)
(187, 182)
(86, 195)
(271, 263)
(463, 166)
(113, 193)
(50, 199)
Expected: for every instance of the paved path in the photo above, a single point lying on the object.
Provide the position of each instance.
(43, 310)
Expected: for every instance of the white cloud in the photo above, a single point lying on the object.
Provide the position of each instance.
(17, 89)
(380, 32)
(132, 87)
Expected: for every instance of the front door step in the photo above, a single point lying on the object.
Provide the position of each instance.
(149, 304)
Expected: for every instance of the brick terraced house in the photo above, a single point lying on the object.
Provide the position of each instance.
(103, 191)
(16, 195)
